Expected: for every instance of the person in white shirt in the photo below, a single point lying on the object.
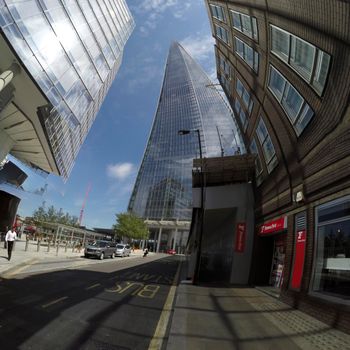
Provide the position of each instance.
(10, 237)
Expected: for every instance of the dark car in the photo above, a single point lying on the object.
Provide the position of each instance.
(100, 249)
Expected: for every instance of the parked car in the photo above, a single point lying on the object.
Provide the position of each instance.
(101, 250)
(122, 250)
(171, 251)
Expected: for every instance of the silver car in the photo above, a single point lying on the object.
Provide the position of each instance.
(100, 249)
(122, 250)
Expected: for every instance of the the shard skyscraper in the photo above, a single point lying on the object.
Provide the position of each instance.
(163, 190)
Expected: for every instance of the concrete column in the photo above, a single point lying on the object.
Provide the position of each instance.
(8, 75)
(175, 237)
(159, 239)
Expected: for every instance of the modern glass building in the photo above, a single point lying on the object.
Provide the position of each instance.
(58, 60)
(188, 101)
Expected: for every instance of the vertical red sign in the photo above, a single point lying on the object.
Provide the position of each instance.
(299, 257)
(240, 237)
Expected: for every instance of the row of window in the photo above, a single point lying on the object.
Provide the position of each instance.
(245, 96)
(268, 151)
(296, 108)
(310, 62)
(243, 50)
(240, 21)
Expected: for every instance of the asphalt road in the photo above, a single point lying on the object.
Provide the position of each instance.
(102, 306)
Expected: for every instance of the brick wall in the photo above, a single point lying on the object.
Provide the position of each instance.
(318, 161)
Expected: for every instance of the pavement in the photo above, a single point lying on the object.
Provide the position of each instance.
(204, 317)
(44, 260)
(244, 319)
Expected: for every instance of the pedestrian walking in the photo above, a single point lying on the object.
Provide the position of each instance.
(10, 238)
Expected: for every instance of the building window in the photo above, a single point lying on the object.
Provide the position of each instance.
(248, 54)
(266, 145)
(258, 165)
(245, 24)
(296, 108)
(217, 12)
(245, 96)
(224, 66)
(311, 63)
(332, 256)
(226, 83)
(242, 116)
(221, 33)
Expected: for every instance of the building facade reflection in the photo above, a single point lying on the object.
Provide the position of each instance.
(71, 52)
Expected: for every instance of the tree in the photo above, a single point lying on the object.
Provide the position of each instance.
(53, 215)
(39, 214)
(131, 226)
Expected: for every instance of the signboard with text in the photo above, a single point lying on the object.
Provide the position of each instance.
(299, 258)
(241, 232)
(272, 226)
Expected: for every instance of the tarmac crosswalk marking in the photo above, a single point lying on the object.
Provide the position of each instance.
(53, 302)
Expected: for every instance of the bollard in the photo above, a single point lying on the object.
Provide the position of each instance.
(65, 248)
(48, 245)
(73, 247)
(57, 247)
(38, 245)
(27, 243)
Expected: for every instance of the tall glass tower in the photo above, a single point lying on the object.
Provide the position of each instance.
(66, 53)
(188, 100)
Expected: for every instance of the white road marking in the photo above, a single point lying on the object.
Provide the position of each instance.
(53, 302)
(93, 286)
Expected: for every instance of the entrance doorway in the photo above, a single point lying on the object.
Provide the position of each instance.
(269, 263)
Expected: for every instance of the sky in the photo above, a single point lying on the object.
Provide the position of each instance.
(113, 150)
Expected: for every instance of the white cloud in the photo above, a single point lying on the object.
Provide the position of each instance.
(199, 47)
(157, 5)
(120, 171)
(154, 9)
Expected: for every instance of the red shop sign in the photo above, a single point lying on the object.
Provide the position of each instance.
(299, 258)
(273, 226)
(240, 237)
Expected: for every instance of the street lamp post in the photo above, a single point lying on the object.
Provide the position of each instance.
(198, 260)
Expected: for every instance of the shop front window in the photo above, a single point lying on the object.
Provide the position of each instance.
(332, 260)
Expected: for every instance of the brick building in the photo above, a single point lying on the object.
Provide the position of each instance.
(285, 68)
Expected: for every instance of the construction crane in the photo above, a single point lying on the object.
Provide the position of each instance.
(83, 206)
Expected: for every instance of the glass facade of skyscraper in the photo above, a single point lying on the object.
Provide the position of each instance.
(72, 49)
(188, 100)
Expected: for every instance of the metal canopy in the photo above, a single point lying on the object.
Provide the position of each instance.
(223, 170)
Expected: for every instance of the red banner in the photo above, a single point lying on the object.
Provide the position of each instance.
(240, 237)
(299, 258)
(273, 226)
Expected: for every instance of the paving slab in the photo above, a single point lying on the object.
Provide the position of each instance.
(245, 319)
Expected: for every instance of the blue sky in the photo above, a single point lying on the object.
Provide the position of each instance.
(113, 150)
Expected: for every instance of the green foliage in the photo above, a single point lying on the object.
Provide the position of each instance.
(51, 214)
(131, 226)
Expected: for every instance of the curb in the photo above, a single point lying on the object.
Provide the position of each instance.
(16, 269)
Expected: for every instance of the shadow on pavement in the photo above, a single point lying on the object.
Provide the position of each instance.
(84, 309)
